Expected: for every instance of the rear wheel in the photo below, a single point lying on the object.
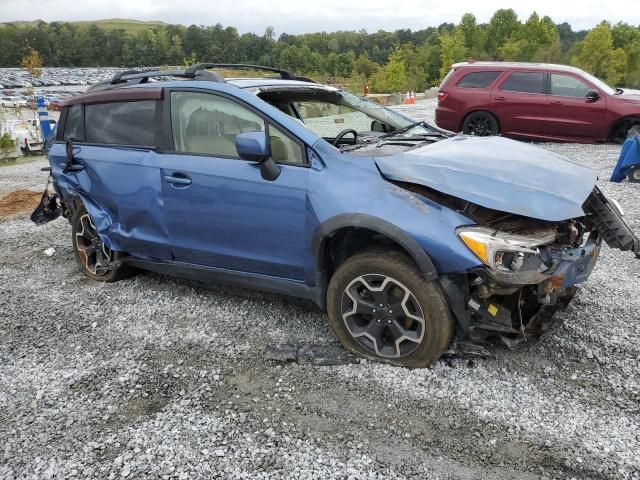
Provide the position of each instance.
(634, 174)
(96, 260)
(381, 308)
(480, 124)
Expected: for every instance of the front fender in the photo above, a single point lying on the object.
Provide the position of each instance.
(329, 227)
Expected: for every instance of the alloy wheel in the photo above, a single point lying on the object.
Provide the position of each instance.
(480, 126)
(383, 316)
(95, 255)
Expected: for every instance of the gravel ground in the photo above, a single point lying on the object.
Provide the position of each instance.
(155, 377)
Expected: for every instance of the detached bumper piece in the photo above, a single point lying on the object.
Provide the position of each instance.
(608, 221)
(49, 207)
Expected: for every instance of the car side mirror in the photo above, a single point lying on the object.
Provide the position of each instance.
(378, 126)
(254, 146)
(592, 95)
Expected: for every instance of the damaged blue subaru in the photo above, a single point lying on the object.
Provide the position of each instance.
(416, 242)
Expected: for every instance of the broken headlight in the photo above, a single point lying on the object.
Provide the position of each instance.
(504, 252)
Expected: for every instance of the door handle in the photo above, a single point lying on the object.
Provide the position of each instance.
(555, 102)
(500, 99)
(178, 179)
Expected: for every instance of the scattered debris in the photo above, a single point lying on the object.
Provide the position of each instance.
(307, 354)
(50, 251)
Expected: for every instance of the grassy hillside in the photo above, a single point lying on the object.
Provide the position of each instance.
(132, 26)
(123, 23)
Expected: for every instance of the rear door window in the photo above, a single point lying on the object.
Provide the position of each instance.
(478, 79)
(121, 123)
(525, 82)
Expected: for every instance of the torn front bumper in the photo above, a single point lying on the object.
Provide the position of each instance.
(487, 303)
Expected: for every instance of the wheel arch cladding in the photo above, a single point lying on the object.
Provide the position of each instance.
(328, 230)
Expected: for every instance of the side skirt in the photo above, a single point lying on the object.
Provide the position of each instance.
(234, 278)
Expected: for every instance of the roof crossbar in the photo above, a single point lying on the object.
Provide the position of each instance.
(284, 74)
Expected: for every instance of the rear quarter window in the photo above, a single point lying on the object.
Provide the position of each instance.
(525, 82)
(447, 78)
(74, 124)
(478, 79)
(121, 123)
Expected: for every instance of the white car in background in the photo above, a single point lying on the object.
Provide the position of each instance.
(13, 102)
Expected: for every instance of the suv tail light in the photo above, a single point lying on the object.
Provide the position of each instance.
(442, 96)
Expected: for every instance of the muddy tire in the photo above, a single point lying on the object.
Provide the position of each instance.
(381, 308)
(94, 258)
(480, 124)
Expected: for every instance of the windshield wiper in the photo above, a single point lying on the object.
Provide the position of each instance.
(405, 129)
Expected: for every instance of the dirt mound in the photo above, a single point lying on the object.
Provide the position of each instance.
(18, 201)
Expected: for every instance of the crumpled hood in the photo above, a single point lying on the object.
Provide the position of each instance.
(497, 173)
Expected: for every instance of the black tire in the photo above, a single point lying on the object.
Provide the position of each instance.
(480, 124)
(95, 260)
(622, 132)
(422, 321)
(634, 174)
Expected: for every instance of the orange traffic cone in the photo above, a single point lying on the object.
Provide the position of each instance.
(407, 99)
(413, 97)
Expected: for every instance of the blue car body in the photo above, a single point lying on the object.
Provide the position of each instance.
(219, 218)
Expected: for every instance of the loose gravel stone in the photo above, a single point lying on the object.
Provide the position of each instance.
(155, 377)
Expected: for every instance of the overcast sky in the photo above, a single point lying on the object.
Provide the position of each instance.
(299, 16)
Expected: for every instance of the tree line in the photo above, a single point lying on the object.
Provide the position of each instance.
(388, 61)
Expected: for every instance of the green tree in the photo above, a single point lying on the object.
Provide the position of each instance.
(392, 77)
(503, 27)
(597, 55)
(452, 50)
(365, 66)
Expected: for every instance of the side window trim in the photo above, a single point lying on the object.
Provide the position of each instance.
(168, 126)
(545, 82)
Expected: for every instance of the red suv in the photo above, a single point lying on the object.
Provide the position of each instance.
(534, 100)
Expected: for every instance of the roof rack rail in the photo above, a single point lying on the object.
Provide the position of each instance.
(195, 72)
(284, 74)
(134, 77)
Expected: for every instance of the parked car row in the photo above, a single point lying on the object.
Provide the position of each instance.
(53, 99)
(53, 77)
(535, 101)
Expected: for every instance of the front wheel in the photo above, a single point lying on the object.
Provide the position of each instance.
(480, 124)
(381, 308)
(634, 174)
(96, 260)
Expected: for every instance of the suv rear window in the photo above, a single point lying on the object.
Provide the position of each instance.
(526, 82)
(121, 123)
(478, 79)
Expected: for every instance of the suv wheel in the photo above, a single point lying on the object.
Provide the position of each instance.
(480, 124)
(95, 259)
(634, 174)
(381, 308)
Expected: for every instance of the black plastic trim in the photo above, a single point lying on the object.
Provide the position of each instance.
(252, 281)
